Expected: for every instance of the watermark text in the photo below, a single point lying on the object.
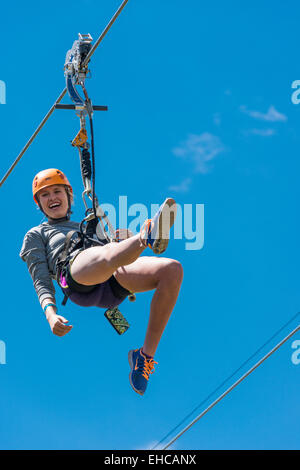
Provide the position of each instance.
(2, 352)
(296, 354)
(188, 224)
(2, 92)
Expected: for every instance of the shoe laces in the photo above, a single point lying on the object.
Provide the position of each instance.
(145, 231)
(146, 366)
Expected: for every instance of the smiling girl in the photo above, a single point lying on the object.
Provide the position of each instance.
(102, 276)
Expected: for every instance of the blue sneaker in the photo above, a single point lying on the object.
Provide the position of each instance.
(155, 232)
(141, 368)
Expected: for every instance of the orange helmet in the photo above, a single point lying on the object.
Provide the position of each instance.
(47, 178)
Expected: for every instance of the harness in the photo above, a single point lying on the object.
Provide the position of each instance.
(73, 242)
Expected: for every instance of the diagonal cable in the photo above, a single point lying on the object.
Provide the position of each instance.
(211, 394)
(41, 125)
(243, 377)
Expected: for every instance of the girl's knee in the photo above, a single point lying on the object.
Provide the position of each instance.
(173, 271)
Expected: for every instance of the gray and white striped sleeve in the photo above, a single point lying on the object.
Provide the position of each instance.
(34, 254)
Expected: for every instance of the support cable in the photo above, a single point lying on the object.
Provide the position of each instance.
(232, 387)
(211, 394)
(41, 125)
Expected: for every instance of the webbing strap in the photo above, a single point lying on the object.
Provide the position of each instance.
(65, 252)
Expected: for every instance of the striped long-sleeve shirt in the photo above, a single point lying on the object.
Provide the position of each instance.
(40, 250)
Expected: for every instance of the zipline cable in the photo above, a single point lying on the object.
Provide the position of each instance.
(211, 394)
(106, 29)
(33, 137)
(232, 386)
(101, 37)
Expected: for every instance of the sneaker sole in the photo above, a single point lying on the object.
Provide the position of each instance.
(160, 245)
(131, 367)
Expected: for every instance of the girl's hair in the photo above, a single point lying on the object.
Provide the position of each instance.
(70, 193)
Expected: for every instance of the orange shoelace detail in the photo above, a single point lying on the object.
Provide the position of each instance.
(145, 366)
(145, 231)
(148, 368)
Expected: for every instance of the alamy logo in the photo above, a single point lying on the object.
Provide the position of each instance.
(296, 354)
(2, 92)
(296, 94)
(188, 226)
(2, 353)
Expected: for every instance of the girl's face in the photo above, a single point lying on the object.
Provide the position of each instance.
(54, 201)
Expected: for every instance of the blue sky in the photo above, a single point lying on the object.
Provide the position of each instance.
(200, 108)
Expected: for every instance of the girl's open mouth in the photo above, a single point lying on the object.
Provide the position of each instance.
(55, 205)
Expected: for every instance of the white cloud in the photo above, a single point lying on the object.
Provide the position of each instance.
(182, 187)
(200, 149)
(261, 132)
(272, 114)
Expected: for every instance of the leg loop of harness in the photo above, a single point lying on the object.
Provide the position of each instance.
(83, 241)
(64, 258)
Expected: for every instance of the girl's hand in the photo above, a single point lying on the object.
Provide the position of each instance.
(58, 325)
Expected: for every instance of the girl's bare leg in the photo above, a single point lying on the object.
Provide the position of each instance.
(98, 263)
(165, 276)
